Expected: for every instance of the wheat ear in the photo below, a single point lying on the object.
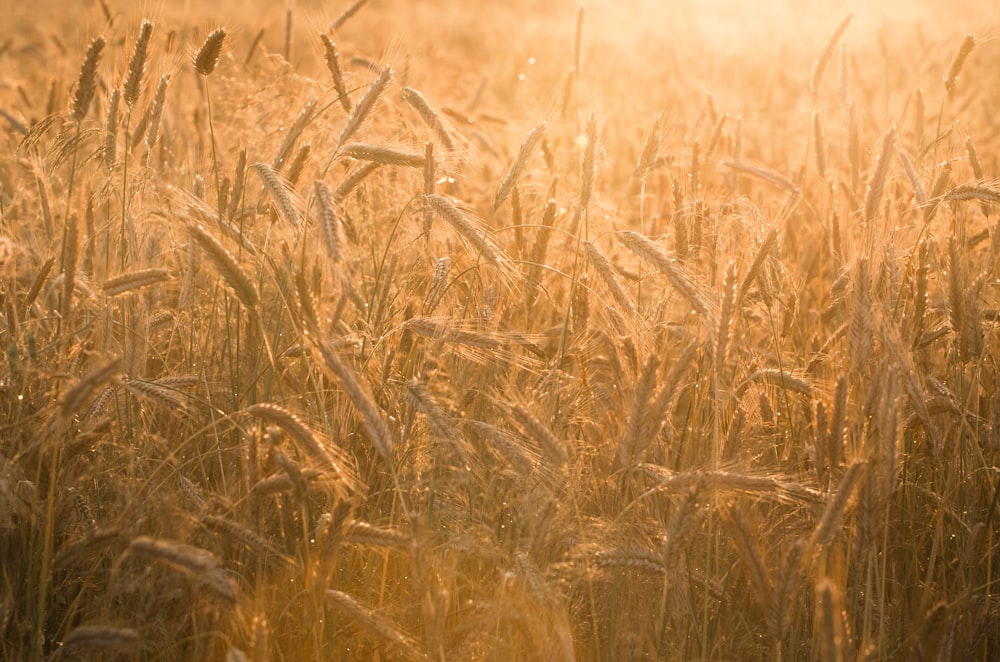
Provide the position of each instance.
(86, 82)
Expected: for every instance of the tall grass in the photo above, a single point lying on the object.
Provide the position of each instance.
(497, 368)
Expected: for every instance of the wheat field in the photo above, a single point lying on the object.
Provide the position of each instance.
(499, 331)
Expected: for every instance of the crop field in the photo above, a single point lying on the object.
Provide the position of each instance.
(444, 330)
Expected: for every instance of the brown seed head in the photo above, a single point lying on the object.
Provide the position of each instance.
(208, 54)
(86, 83)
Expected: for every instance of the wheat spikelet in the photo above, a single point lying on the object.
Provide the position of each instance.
(972, 192)
(540, 249)
(74, 397)
(920, 290)
(650, 146)
(772, 487)
(383, 155)
(429, 116)
(837, 506)
(462, 223)
(85, 548)
(974, 161)
(611, 279)
(328, 223)
(239, 181)
(375, 426)
(86, 82)
(231, 271)
(876, 183)
(374, 623)
(352, 180)
(183, 557)
(820, 143)
(510, 179)
(767, 174)
(137, 65)
(918, 189)
(420, 399)
(937, 192)
(208, 55)
(588, 166)
(157, 394)
(968, 43)
(155, 113)
(659, 258)
(333, 64)
(133, 281)
(861, 317)
(724, 329)
(37, 284)
(303, 436)
(279, 193)
(442, 329)
(785, 587)
(111, 129)
(365, 105)
(90, 637)
(956, 285)
(630, 559)
(298, 164)
(521, 459)
(239, 532)
(632, 444)
(819, 67)
(362, 533)
(347, 14)
(776, 377)
(302, 120)
(547, 441)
